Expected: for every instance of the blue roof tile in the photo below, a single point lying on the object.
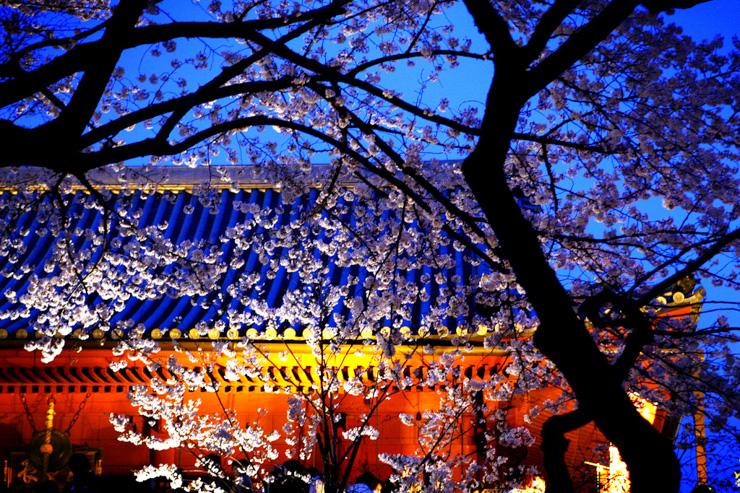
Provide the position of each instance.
(182, 217)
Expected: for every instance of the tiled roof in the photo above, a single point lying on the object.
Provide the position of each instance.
(181, 217)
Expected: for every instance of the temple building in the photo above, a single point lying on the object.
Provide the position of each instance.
(50, 410)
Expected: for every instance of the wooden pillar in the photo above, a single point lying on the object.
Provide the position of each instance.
(700, 437)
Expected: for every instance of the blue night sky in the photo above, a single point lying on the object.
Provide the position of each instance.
(710, 19)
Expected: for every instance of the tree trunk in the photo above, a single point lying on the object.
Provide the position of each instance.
(562, 336)
(555, 445)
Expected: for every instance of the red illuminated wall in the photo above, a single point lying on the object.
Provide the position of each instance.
(69, 378)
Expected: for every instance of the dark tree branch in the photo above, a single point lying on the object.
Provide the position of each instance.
(658, 6)
(545, 140)
(180, 106)
(85, 56)
(76, 116)
(53, 42)
(548, 23)
(333, 75)
(687, 270)
(579, 44)
(408, 56)
(493, 26)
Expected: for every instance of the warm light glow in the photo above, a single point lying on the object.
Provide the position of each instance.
(646, 409)
(619, 478)
(537, 485)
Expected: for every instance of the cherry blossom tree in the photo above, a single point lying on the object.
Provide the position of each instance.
(596, 176)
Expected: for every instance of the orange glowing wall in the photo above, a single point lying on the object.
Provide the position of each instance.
(108, 395)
